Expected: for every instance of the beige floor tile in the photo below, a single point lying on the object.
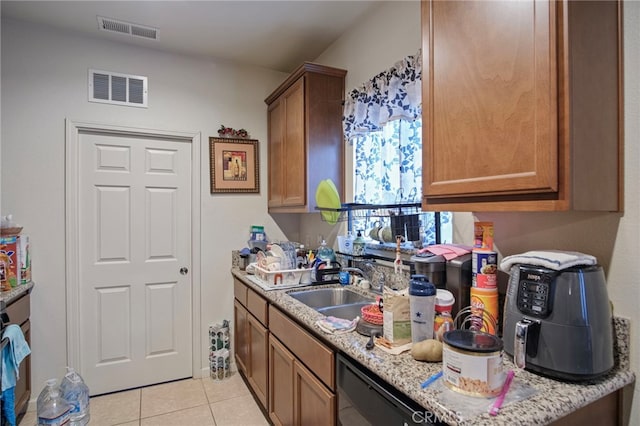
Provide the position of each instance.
(29, 419)
(196, 416)
(133, 423)
(114, 409)
(224, 389)
(174, 396)
(239, 411)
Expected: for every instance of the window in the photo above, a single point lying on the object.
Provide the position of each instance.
(388, 170)
(382, 119)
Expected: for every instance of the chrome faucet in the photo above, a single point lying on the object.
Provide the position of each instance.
(369, 273)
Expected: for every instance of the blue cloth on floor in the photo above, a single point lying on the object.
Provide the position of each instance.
(8, 406)
(12, 355)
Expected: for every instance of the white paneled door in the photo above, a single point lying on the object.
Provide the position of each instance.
(134, 235)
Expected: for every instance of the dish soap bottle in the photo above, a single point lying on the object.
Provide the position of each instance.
(326, 254)
(358, 245)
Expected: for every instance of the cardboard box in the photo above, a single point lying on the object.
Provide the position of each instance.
(9, 246)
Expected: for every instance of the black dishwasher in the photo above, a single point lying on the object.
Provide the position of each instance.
(365, 399)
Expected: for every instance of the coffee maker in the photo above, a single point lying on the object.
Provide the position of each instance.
(459, 277)
(559, 323)
(453, 275)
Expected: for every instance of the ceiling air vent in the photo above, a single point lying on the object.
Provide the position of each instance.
(118, 89)
(116, 26)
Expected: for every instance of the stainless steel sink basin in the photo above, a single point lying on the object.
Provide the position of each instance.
(330, 297)
(347, 312)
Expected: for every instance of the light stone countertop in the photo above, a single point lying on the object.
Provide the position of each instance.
(552, 399)
(15, 293)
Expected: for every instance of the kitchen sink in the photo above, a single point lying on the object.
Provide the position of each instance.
(330, 297)
(347, 312)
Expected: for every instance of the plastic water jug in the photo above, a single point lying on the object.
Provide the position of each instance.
(52, 408)
(422, 300)
(76, 392)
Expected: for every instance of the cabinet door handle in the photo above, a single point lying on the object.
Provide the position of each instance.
(184, 270)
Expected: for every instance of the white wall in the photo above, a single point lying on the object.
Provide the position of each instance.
(44, 81)
(393, 31)
(209, 94)
(384, 36)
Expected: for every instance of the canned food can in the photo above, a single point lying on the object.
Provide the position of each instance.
(484, 268)
(472, 363)
(485, 300)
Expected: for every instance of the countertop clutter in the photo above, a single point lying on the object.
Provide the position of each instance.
(543, 400)
(16, 292)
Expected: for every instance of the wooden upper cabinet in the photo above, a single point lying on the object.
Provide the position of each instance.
(305, 137)
(522, 105)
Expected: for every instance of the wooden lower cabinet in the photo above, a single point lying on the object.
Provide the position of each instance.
(240, 344)
(19, 312)
(290, 372)
(603, 412)
(251, 350)
(313, 404)
(258, 356)
(296, 396)
(280, 383)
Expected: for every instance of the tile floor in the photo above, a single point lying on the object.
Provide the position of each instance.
(189, 402)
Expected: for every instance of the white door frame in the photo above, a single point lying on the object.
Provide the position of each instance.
(72, 268)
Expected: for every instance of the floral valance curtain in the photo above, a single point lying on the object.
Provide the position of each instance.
(391, 95)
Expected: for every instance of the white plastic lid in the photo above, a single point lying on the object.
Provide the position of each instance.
(444, 298)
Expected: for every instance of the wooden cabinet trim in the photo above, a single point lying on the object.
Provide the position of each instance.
(280, 383)
(604, 411)
(309, 350)
(19, 311)
(294, 147)
(305, 130)
(577, 110)
(240, 344)
(258, 338)
(240, 291)
(320, 406)
(23, 386)
(258, 307)
(307, 67)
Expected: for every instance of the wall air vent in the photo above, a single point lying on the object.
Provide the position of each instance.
(116, 26)
(118, 89)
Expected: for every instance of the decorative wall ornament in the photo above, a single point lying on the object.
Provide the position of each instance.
(234, 165)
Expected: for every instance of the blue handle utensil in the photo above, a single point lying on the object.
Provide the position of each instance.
(431, 380)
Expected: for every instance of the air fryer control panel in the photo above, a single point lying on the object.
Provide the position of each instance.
(534, 292)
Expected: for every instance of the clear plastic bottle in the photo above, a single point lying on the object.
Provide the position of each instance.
(76, 392)
(52, 408)
(422, 300)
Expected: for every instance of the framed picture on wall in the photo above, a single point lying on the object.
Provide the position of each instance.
(234, 165)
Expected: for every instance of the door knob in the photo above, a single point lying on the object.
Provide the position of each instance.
(184, 270)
